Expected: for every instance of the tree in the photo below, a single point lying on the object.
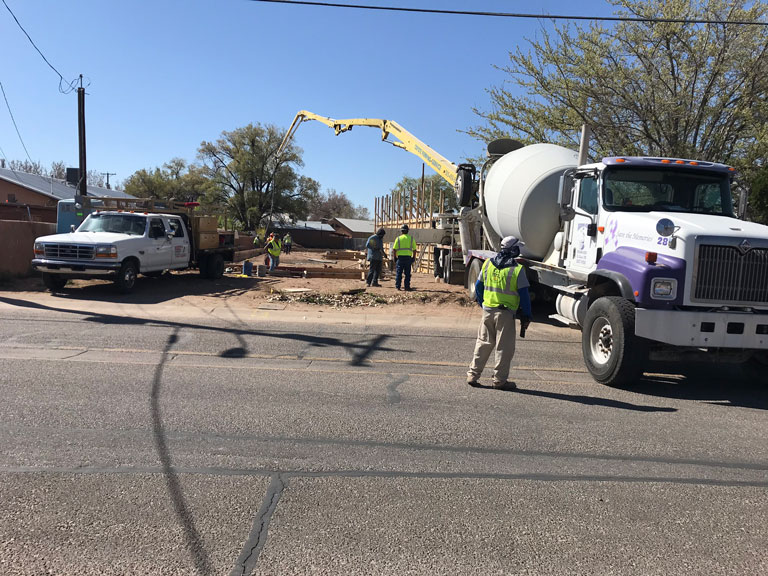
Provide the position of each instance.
(646, 88)
(758, 196)
(334, 204)
(434, 186)
(176, 180)
(58, 171)
(251, 180)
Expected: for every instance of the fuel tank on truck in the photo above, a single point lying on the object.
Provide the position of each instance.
(521, 194)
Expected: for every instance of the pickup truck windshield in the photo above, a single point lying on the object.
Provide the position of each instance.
(117, 223)
(646, 190)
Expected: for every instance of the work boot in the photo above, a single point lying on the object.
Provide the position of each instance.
(376, 285)
(409, 289)
(508, 385)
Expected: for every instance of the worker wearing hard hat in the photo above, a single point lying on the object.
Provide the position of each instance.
(404, 249)
(274, 246)
(502, 290)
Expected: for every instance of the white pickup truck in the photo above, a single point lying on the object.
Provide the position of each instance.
(120, 245)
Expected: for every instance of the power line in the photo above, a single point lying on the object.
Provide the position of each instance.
(14, 123)
(515, 15)
(70, 85)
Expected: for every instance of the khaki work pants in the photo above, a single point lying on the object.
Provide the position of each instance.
(497, 332)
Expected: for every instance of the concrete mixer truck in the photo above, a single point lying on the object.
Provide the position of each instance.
(644, 254)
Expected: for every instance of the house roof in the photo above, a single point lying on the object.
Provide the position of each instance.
(54, 188)
(303, 225)
(359, 226)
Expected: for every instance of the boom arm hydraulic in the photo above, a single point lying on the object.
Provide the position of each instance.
(406, 140)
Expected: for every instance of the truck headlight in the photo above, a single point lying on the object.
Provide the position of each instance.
(39, 249)
(664, 288)
(106, 251)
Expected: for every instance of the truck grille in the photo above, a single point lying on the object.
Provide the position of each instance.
(69, 251)
(727, 275)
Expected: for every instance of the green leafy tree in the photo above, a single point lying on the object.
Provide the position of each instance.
(251, 180)
(646, 88)
(175, 180)
(434, 186)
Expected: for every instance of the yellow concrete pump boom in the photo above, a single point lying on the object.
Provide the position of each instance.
(407, 141)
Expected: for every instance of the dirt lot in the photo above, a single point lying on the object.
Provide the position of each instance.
(295, 293)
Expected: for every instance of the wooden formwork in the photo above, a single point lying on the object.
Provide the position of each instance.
(418, 210)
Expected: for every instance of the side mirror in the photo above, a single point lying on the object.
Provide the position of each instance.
(169, 235)
(567, 213)
(71, 228)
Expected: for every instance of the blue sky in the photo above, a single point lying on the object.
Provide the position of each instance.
(164, 75)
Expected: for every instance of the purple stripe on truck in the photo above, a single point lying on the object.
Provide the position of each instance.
(631, 263)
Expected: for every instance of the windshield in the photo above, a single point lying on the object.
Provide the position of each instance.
(633, 190)
(118, 223)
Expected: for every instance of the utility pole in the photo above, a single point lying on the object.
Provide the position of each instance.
(83, 183)
(108, 174)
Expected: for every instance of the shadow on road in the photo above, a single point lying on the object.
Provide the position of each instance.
(721, 385)
(193, 541)
(360, 351)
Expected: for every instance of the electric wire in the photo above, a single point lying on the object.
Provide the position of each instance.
(69, 86)
(515, 15)
(14, 123)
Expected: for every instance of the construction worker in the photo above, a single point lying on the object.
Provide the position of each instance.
(501, 289)
(256, 241)
(274, 246)
(375, 246)
(404, 248)
(287, 242)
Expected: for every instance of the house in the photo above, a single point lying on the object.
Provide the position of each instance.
(352, 228)
(25, 196)
(309, 234)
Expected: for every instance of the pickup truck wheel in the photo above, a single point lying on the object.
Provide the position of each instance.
(474, 273)
(216, 267)
(203, 266)
(53, 282)
(126, 277)
(612, 353)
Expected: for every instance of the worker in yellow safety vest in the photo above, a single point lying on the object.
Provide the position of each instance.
(404, 249)
(274, 246)
(502, 290)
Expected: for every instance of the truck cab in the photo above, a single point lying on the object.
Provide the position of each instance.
(656, 243)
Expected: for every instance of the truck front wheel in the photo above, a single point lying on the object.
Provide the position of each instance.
(612, 353)
(53, 282)
(216, 266)
(126, 277)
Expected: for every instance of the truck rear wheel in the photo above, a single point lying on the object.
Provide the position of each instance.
(126, 277)
(53, 282)
(612, 353)
(474, 273)
(215, 266)
(203, 265)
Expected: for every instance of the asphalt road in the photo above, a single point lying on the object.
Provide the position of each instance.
(150, 440)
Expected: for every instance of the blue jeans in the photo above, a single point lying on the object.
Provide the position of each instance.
(274, 262)
(404, 264)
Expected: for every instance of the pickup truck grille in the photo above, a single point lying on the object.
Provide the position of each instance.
(69, 251)
(726, 274)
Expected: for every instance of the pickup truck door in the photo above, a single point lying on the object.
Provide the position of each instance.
(179, 243)
(160, 251)
(582, 246)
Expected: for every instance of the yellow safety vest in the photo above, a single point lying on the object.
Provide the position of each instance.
(274, 247)
(500, 286)
(404, 246)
